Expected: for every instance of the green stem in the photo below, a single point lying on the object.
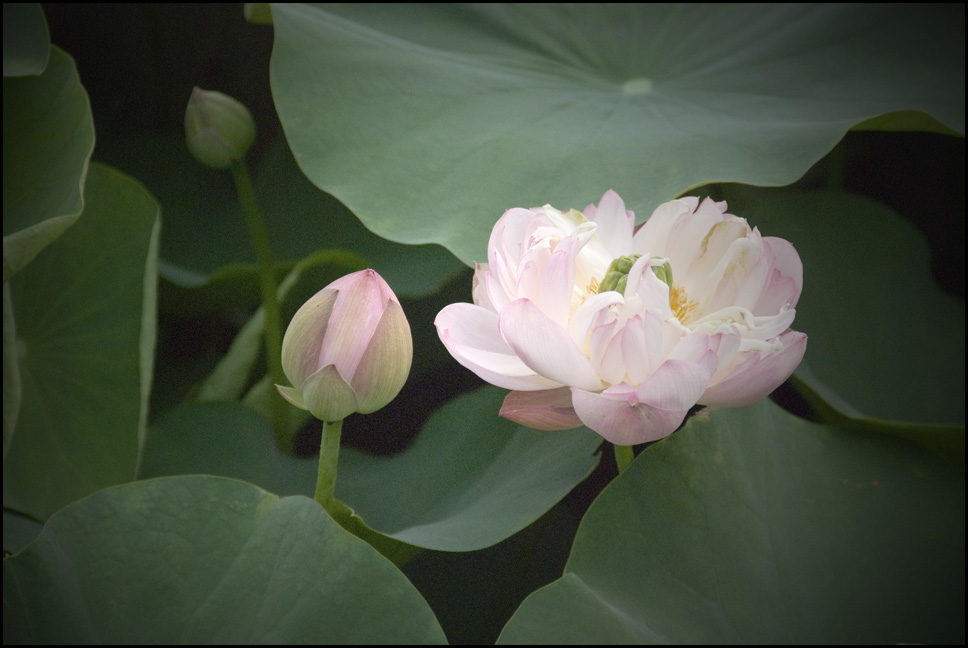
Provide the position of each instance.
(623, 457)
(328, 458)
(259, 239)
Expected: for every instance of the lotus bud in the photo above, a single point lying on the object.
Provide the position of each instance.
(348, 349)
(218, 129)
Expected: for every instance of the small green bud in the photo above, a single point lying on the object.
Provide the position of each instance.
(617, 274)
(663, 272)
(218, 129)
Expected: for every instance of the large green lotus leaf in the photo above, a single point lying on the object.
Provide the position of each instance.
(470, 479)
(26, 40)
(429, 121)
(193, 560)
(48, 136)
(18, 532)
(885, 342)
(758, 527)
(230, 440)
(226, 439)
(85, 329)
(205, 230)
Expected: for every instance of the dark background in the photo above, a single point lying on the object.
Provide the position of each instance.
(139, 64)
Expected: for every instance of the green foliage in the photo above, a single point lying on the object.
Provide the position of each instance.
(567, 102)
(423, 124)
(85, 316)
(757, 527)
(202, 559)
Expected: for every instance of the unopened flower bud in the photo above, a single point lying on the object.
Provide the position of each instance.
(218, 129)
(348, 349)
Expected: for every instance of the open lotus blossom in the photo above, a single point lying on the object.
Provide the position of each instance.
(593, 321)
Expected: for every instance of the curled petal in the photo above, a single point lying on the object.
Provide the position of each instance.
(548, 409)
(653, 236)
(471, 335)
(545, 347)
(558, 281)
(758, 374)
(292, 395)
(480, 289)
(677, 385)
(786, 281)
(621, 419)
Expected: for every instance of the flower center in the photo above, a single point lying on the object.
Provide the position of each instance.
(680, 303)
(617, 275)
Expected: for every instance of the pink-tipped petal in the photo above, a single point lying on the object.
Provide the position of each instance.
(615, 224)
(362, 297)
(786, 280)
(545, 347)
(652, 237)
(385, 364)
(557, 281)
(549, 409)
(677, 385)
(758, 375)
(471, 335)
(619, 418)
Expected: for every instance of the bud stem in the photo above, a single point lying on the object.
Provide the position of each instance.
(259, 239)
(328, 458)
(623, 457)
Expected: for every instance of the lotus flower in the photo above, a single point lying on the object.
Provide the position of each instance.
(348, 349)
(593, 321)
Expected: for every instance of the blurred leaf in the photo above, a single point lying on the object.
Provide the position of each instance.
(224, 439)
(85, 326)
(758, 527)
(18, 532)
(469, 480)
(205, 239)
(232, 374)
(906, 120)
(26, 41)
(48, 135)
(258, 13)
(230, 440)
(206, 560)
(885, 342)
(12, 390)
(429, 121)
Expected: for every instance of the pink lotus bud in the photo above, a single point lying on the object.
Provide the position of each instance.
(348, 349)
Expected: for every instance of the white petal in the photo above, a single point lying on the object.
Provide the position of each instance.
(545, 347)
(471, 335)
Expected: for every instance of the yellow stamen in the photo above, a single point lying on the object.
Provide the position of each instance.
(680, 303)
(592, 287)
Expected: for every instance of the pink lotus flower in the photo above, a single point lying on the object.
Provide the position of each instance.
(592, 321)
(348, 349)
